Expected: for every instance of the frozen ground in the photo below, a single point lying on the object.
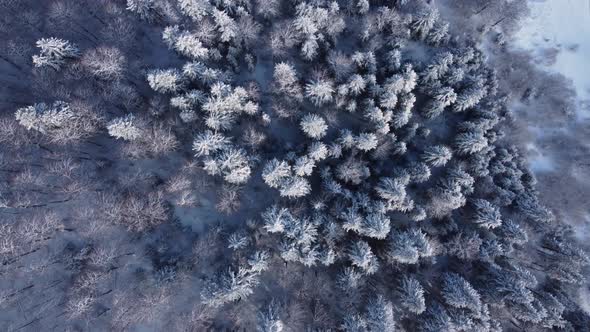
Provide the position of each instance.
(558, 34)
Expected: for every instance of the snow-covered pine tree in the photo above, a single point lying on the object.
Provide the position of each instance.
(145, 9)
(230, 286)
(185, 43)
(424, 21)
(208, 143)
(437, 156)
(195, 9)
(166, 80)
(407, 247)
(458, 293)
(366, 141)
(470, 142)
(486, 214)
(295, 187)
(412, 295)
(361, 256)
(286, 78)
(380, 315)
(314, 126)
(320, 92)
(276, 172)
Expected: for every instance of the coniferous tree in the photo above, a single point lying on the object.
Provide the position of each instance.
(145, 9)
(314, 126)
(424, 21)
(286, 78)
(470, 142)
(185, 43)
(354, 323)
(361, 256)
(407, 247)
(366, 141)
(412, 295)
(209, 143)
(320, 92)
(166, 81)
(380, 315)
(458, 293)
(486, 214)
(398, 162)
(230, 286)
(195, 9)
(437, 156)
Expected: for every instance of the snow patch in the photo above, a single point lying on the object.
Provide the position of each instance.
(558, 34)
(539, 162)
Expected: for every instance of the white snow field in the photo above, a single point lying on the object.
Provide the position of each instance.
(558, 34)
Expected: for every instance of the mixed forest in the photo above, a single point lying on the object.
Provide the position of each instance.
(273, 165)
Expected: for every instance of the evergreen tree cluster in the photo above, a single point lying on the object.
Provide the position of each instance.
(360, 155)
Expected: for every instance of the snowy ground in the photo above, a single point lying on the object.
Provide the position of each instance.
(558, 34)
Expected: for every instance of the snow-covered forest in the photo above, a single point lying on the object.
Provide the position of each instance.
(286, 165)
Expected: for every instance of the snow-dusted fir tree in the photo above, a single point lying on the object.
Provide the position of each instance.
(366, 141)
(437, 156)
(276, 219)
(317, 151)
(361, 256)
(407, 247)
(320, 92)
(185, 43)
(226, 25)
(314, 126)
(304, 166)
(166, 80)
(276, 172)
(230, 286)
(55, 52)
(231, 163)
(353, 171)
(287, 82)
(471, 142)
(458, 293)
(125, 127)
(208, 143)
(268, 9)
(375, 225)
(380, 315)
(145, 9)
(350, 278)
(295, 187)
(259, 261)
(424, 21)
(486, 214)
(412, 295)
(195, 9)
(392, 190)
(237, 241)
(354, 323)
